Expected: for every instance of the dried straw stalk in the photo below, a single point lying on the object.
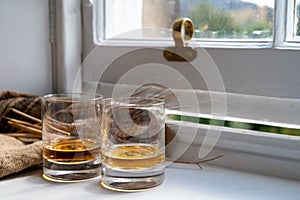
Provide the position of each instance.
(27, 132)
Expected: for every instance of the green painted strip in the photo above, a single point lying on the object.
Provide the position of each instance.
(239, 125)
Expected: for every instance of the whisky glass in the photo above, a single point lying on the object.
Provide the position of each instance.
(71, 137)
(132, 143)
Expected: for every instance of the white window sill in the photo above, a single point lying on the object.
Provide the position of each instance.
(182, 181)
(251, 151)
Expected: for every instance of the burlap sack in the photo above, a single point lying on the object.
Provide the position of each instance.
(26, 103)
(16, 156)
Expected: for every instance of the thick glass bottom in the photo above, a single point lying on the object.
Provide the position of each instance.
(131, 181)
(59, 172)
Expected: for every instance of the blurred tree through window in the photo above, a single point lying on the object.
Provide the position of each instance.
(298, 18)
(233, 19)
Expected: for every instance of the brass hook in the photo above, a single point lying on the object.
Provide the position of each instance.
(183, 31)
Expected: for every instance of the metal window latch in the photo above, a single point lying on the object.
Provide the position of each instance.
(183, 30)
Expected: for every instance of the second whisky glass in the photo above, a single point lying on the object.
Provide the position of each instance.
(133, 143)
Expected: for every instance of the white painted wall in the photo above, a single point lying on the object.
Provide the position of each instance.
(25, 63)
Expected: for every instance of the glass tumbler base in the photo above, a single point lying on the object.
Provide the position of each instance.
(70, 173)
(131, 184)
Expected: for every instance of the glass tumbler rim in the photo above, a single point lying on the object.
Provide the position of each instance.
(138, 101)
(74, 97)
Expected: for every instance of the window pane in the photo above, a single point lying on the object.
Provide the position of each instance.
(297, 20)
(230, 18)
(213, 19)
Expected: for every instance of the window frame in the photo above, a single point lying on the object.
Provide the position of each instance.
(282, 39)
(243, 150)
(66, 34)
